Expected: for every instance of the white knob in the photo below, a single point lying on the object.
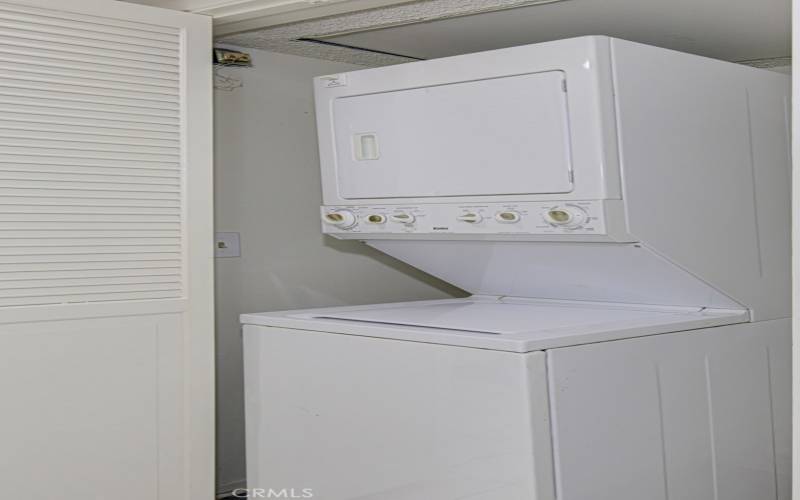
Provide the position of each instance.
(508, 217)
(340, 218)
(472, 218)
(402, 218)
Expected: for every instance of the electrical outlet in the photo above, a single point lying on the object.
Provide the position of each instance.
(227, 245)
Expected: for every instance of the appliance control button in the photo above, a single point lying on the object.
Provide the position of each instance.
(470, 217)
(402, 218)
(558, 216)
(508, 217)
(343, 219)
(376, 219)
(565, 217)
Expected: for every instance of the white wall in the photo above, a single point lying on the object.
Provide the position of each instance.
(267, 188)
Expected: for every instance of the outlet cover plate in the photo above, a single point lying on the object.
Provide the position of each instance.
(227, 245)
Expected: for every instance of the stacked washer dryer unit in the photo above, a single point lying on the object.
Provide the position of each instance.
(620, 215)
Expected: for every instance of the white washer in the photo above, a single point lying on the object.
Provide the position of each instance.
(474, 398)
(619, 213)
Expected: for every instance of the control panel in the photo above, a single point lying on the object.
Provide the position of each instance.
(581, 217)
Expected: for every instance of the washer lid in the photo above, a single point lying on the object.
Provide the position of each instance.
(506, 324)
(499, 318)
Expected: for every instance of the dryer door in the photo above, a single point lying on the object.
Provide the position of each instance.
(499, 136)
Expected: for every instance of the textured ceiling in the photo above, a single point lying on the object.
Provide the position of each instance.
(188, 5)
(733, 30)
(285, 38)
(727, 29)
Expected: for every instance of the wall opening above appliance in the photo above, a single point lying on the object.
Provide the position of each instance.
(334, 44)
(437, 28)
(312, 37)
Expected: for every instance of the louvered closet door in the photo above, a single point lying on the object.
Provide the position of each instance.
(106, 312)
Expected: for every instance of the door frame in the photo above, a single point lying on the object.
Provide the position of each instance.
(196, 307)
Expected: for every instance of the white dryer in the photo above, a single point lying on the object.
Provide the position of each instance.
(620, 214)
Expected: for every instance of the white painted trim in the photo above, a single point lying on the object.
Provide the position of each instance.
(90, 310)
(199, 329)
(231, 22)
(796, 253)
(271, 12)
(185, 5)
(263, 13)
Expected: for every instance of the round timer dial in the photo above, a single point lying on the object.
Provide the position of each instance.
(343, 219)
(569, 217)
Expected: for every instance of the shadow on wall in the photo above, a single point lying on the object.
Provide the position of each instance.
(354, 247)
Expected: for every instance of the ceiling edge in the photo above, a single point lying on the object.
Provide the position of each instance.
(770, 62)
(284, 38)
(247, 15)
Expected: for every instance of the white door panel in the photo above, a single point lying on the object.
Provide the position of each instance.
(411, 143)
(106, 312)
(101, 389)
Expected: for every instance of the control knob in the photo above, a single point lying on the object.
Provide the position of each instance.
(402, 218)
(566, 217)
(470, 217)
(343, 219)
(508, 217)
(376, 219)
